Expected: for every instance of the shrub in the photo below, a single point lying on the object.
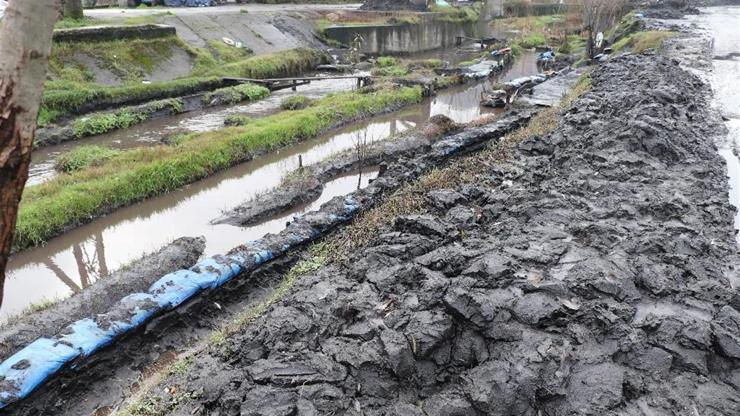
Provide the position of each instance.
(386, 61)
(237, 120)
(295, 102)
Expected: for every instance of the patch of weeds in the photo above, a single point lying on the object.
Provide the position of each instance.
(69, 23)
(124, 118)
(82, 157)
(295, 102)
(236, 94)
(131, 60)
(390, 71)
(642, 41)
(63, 98)
(533, 40)
(237, 120)
(273, 65)
(227, 53)
(386, 61)
(132, 175)
(465, 14)
(181, 366)
(317, 256)
(516, 49)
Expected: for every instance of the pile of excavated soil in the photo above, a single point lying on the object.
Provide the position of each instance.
(594, 278)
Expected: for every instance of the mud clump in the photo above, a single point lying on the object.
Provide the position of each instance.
(594, 280)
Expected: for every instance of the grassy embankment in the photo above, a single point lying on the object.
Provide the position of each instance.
(641, 41)
(129, 176)
(73, 92)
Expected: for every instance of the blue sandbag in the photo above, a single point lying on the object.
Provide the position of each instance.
(175, 288)
(214, 272)
(33, 365)
(86, 336)
(141, 307)
(262, 256)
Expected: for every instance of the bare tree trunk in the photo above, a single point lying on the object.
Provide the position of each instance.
(25, 45)
(72, 9)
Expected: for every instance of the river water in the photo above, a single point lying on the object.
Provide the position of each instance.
(76, 259)
(723, 24)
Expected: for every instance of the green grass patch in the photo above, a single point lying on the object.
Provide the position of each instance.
(68, 23)
(466, 14)
(71, 199)
(123, 118)
(642, 41)
(82, 157)
(386, 61)
(227, 53)
(65, 98)
(273, 65)
(236, 94)
(533, 40)
(131, 60)
(237, 120)
(296, 102)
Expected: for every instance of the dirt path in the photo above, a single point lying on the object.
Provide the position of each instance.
(591, 275)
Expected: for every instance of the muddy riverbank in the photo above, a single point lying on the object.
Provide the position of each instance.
(590, 274)
(147, 226)
(191, 322)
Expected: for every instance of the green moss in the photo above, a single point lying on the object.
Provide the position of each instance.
(296, 102)
(82, 157)
(133, 175)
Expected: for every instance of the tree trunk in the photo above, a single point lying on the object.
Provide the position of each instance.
(72, 9)
(25, 45)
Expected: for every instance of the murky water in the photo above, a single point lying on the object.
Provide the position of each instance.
(70, 262)
(723, 22)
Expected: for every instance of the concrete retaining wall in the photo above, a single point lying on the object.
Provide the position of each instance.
(108, 33)
(401, 39)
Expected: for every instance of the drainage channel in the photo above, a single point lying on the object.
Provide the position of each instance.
(153, 131)
(76, 259)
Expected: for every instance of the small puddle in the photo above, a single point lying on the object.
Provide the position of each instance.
(69, 263)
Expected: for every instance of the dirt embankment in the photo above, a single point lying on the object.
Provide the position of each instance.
(305, 185)
(590, 276)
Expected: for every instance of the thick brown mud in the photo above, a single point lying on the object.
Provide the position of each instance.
(591, 275)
